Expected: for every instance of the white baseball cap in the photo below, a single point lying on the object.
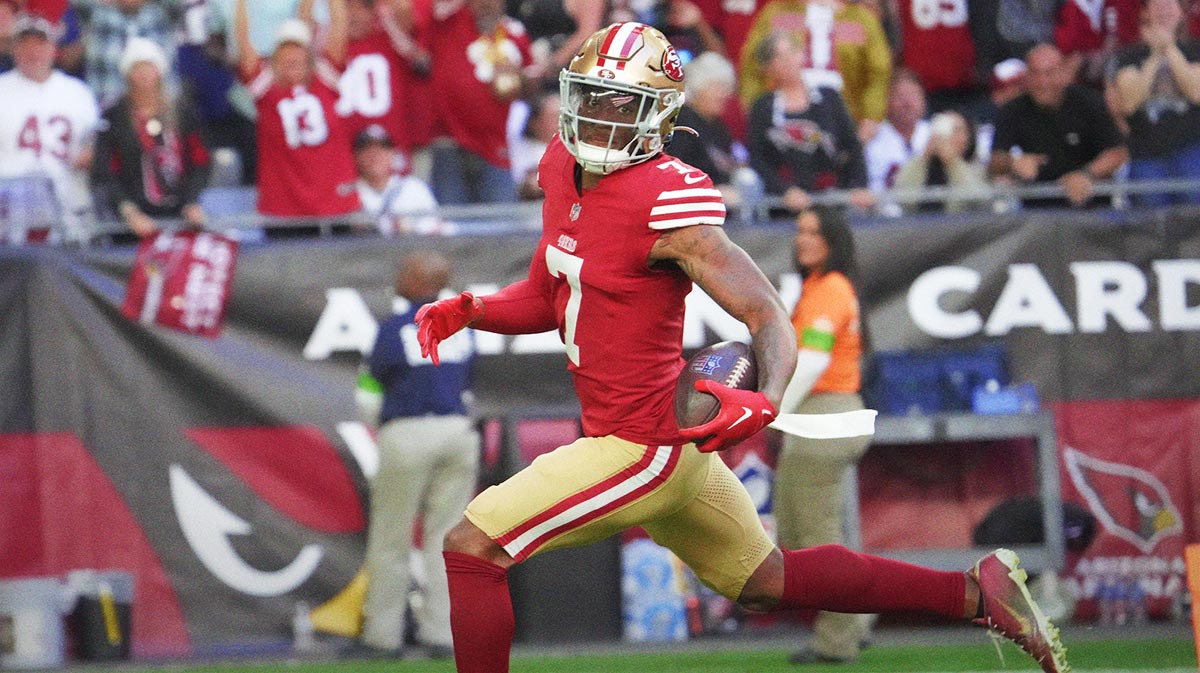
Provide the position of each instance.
(141, 50)
(1008, 71)
(293, 31)
(35, 23)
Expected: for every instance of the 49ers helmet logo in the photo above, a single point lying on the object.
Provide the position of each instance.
(671, 65)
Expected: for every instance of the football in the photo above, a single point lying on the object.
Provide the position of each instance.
(730, 363)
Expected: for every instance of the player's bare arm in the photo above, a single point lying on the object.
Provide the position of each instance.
(734, 281)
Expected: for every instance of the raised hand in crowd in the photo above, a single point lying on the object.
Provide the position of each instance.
(397, 19)
(946, 146)
(686, 16)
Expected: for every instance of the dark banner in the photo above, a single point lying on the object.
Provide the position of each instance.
(228, 473)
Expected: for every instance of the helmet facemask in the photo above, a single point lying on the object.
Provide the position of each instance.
(608, 125)
(620, 96)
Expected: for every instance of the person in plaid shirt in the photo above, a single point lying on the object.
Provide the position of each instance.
(108, 25)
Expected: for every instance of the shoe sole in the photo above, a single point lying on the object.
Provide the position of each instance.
(1042, 624)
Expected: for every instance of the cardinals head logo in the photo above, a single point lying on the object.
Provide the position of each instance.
(1128, 501)
(803, 135)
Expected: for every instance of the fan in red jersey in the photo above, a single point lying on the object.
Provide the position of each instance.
(386, 78)
(731, 19)
(306, 164)
(938, 44)
(479, 56)
(1091, 32)
(627, 229)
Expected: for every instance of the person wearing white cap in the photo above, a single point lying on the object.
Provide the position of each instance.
(1006, 82)
(107, 25)
(47, 122)
(306, 166)
(150, 159)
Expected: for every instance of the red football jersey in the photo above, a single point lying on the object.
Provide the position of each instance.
(51, 9)
(464, 68)
(620, 318)
(1085, 25)
(937, 43)
(372, 89)
(303, 149)
(732, 19)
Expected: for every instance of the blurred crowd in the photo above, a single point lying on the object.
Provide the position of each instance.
(134, 109)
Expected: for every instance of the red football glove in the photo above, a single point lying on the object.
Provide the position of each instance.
(436, 322)
(741, 415)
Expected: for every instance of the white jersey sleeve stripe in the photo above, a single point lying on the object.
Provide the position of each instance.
(689, 207)
(689, 193)
(688, 221)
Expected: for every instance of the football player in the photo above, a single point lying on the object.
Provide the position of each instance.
(627, 230)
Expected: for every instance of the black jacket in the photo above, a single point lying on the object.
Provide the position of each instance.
(162, 168)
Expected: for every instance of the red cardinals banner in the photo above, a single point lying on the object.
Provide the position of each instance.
(1128, 461)
(181, 280)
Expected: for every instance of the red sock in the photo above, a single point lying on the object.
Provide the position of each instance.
(481, 614)
(834, 578)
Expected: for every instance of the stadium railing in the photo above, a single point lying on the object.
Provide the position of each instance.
(21, 209)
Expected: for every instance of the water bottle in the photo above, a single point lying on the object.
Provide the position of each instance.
(1136, 599)
(303, 639)
(1105, 601)
(750, 192)
(1120, 602)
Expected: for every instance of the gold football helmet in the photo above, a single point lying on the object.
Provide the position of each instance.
(620, 97)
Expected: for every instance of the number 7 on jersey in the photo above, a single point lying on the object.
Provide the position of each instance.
(565, 265)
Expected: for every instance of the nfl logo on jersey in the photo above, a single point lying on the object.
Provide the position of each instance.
(707, 365)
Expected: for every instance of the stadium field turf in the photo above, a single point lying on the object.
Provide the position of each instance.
(1110, 656)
